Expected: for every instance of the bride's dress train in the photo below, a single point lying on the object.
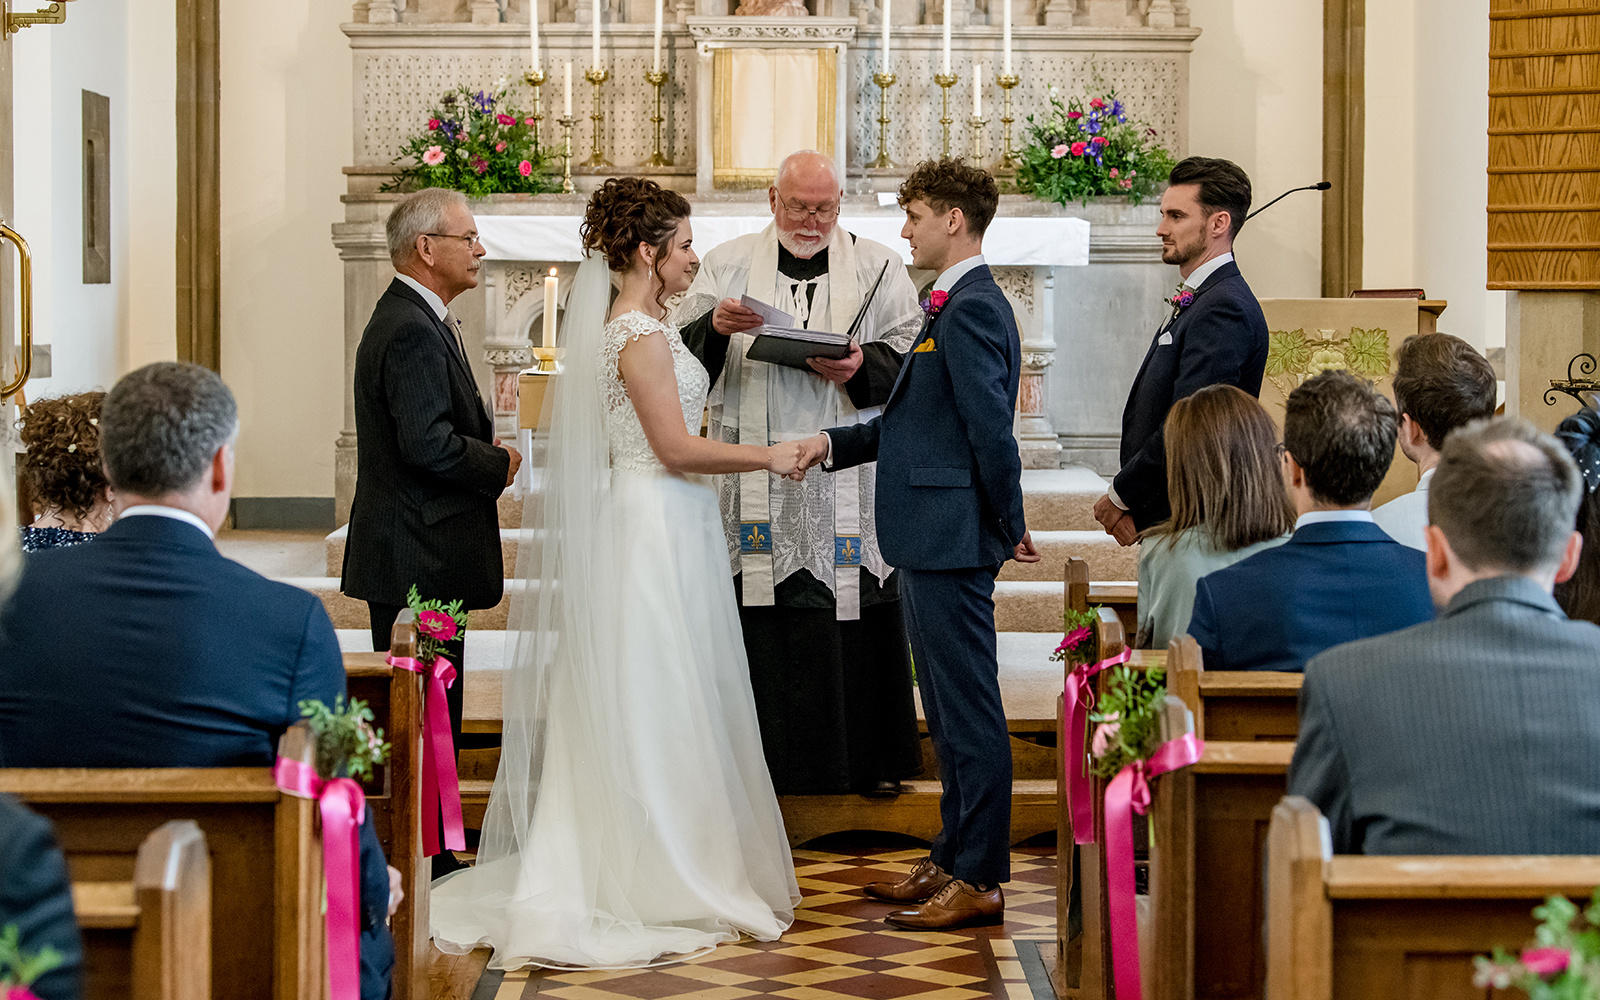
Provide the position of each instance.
(633, 821)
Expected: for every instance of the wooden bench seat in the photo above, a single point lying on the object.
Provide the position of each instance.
(1354, 927)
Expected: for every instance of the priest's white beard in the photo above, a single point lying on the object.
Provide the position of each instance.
(802, 243)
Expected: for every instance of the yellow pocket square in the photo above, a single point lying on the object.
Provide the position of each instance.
(925, 346)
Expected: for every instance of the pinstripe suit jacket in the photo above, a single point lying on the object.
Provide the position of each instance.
(1477, 733)
(427, 471)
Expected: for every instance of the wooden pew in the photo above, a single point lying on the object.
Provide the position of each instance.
(394, 796)
(150, 938)
(267, 928)
(1352, 926)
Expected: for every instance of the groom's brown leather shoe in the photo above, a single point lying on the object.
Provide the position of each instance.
(925, 880)
(956, 905)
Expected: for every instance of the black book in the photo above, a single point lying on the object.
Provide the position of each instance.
(789, 345)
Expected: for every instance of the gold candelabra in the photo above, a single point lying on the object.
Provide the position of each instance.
(566, 152)
(945, 82)
(977, 125)
(884, 81)
(535, 80)
(657, 77)
(1007, 81)
(597, 155)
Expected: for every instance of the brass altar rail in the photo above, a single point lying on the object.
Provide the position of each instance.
(25, 292)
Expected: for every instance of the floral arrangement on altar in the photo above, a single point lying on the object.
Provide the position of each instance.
(437, 623)
(1087, 148)
(1562, 964)
(1077, 645)
(346, 742)
(477, 143)
(18, 971)
(1127, 721)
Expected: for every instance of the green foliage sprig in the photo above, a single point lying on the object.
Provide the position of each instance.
(1127, 719)
(1562, 964)
(477, 143)
(1088, 148)
(437, 623)
(18, 969)
(1077, 644)
(347, 743)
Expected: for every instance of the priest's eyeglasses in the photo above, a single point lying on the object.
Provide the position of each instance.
(824, 213)
(471, 239)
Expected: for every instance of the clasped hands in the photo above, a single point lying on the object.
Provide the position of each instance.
(1117, 522)
(791, 459)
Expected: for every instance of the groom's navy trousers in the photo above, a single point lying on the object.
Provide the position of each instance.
(949, 514)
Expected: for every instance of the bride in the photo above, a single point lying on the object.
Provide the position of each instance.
(632, 820)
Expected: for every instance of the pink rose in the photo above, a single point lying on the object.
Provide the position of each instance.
(1059, 151)
(499, 147)
(1127, 183)
(1104, 734)
(480, 165)
(530, 120)
(505, 119)
(1113, 171)
(433, 156)
(1097, 103)
(1546, 962)
(20, 993)
(525, 168)
(1074, 114)
(1100, 140)
(437, 625)
(433, 124)
(1078, 148)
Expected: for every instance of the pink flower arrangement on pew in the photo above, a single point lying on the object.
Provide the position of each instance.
(19, 970)
(347, 742)
(1077, 645)
(1127, 720)
(437, 623)
(1563, 963)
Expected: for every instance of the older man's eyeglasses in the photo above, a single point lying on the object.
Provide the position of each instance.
(798, 210)
(471, 239)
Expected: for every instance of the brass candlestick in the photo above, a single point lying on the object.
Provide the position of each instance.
(535, 80)
(597, 155)
(566, 153)
(884, 82)
(657, 77)
(1008, 160)
(945, 82)
(977, 125)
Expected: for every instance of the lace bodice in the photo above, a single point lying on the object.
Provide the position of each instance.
(629, 449)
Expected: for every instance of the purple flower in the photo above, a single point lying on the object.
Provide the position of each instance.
(1116, 109)
(1182, 300)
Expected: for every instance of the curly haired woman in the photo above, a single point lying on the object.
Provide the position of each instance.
(61, 469)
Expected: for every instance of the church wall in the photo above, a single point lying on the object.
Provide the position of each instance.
(153, 205)
(285, 135)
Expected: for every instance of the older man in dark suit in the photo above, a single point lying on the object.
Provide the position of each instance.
(1215, 335)
(949, 507)
(1476, 733)
(428, 469)
(148, 648)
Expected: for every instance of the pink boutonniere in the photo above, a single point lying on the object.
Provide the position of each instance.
(934, 302)
(1182, 300)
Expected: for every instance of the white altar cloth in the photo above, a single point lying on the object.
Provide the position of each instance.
(1009, 242)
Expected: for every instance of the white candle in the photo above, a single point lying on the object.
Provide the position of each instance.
(566, 93)
(533, 32)
(977, 90)
(655, 59)
(1005, 36)
(946, 37)
(886, 6)
(550, 309)
(594, 36)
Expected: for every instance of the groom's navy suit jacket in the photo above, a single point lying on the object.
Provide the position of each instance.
(949, 486)
(147, 648)
(1220, 338)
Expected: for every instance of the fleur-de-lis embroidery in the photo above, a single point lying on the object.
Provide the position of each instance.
(755, 537)
(847, 550)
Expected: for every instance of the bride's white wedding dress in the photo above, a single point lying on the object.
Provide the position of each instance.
(632, 820)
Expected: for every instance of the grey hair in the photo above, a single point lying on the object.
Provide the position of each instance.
(418, 214)
(161, 424)
(788, 165)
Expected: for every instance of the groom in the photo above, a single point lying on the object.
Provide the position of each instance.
(949, 514)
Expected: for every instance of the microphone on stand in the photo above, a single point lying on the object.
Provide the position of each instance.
(1319, 186)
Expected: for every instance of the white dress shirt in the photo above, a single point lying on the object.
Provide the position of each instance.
(1331, 516)
(1405, 518)
(428, 295)
(160, 510)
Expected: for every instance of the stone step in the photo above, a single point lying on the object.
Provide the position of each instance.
(1107, 560)
(349, 613)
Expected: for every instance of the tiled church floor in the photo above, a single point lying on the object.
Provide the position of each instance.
(839, 947)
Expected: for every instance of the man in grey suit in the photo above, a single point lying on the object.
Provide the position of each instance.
(1475, 733)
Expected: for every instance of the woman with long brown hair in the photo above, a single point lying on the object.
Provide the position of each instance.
(1228, 502)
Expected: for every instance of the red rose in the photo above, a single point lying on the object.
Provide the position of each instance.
(1097, 103)
(1078, 148)
(433, 124)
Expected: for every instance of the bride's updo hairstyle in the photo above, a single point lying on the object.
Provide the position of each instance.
(627, 211)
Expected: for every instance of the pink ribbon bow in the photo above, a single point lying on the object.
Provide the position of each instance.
(441, 785)
(1077, 696)
(1129, 792)
(343, 806)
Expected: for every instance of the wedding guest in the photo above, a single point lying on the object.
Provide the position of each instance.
(1216, 334)
(36, 899)
(1338, 577)
(192, 659)
(61, 469)
(1440, 383)
(1475, 733)
(1579, 596)
(1228, 503)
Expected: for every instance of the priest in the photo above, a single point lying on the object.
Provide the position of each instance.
(829, 661)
